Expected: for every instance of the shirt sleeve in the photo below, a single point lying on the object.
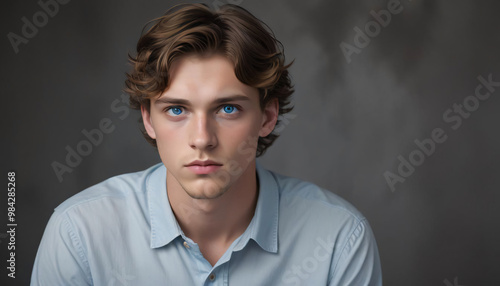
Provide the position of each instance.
(60, 259)
(359, 262)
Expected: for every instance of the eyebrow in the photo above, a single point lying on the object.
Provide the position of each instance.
(181, 101)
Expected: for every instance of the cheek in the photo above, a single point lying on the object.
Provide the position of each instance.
(239, 133)
(167, 136)
(240, 144)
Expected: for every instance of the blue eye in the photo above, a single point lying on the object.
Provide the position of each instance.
(229, 108)
(175, 110)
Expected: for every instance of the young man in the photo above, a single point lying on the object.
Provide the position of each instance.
(210, 86)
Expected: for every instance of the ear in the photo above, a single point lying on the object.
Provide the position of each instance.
(148, 123)
(269, 117)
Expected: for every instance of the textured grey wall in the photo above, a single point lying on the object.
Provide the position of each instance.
(362, 99)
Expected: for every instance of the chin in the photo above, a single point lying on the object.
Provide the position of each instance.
(205, 190)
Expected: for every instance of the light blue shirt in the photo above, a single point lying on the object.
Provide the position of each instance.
(123, 232)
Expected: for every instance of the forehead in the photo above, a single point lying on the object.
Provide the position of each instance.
(207, 77)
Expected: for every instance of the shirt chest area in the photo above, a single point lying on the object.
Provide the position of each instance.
(181, 263)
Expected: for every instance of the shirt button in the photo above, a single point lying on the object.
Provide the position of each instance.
(186, 245)
(212, 277)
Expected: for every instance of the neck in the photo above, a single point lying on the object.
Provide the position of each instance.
(220, 220)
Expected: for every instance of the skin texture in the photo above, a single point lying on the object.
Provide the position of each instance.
(206, 113)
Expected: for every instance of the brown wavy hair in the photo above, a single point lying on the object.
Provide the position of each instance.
(231, 31)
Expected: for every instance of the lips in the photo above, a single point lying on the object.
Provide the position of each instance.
(203, 167)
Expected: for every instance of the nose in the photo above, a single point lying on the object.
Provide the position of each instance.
(203, 134)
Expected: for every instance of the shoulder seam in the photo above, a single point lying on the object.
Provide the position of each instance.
(77, 243)
(65, 210)
(352, 238)
(357, 216)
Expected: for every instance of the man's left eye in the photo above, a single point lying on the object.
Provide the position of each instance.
(229, 109)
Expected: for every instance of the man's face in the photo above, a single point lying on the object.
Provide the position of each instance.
(206, 125)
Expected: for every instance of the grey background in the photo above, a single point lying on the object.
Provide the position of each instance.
(351, 121)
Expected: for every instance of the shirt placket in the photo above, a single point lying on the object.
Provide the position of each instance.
(217, 276)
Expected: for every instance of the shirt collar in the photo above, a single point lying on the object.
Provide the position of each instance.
(263, 228)
(264, 225)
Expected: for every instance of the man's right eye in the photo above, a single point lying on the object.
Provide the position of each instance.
(174, 110)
